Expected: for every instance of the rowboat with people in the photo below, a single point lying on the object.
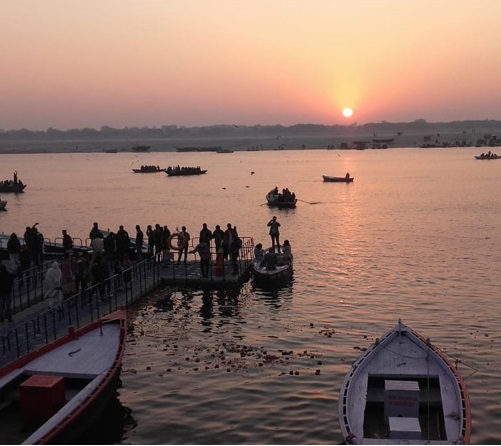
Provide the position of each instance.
(281, 200)
(148, 169)
(183, 171)
(404, 390)
(272, 268)
(12, 186)
(488, 156)
(54, 394)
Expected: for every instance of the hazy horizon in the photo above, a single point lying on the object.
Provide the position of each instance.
(191, 63)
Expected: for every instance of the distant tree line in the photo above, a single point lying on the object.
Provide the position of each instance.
(174, 131)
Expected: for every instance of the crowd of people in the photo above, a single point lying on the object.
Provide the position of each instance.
(113, 253)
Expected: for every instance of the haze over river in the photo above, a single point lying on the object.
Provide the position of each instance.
(416, 236)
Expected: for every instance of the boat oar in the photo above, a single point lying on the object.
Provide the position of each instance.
(309, 202)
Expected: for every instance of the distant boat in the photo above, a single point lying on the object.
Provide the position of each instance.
(140, 148)
(148, 169)
(224, 151)
(184, 171)
(276, 199)
(198, 149)
(345, 179)
(8, 186)
(487, 156)
(3, 203)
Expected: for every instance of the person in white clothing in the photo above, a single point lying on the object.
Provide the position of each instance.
(52, 286)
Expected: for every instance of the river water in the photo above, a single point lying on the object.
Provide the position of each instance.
(416, 236)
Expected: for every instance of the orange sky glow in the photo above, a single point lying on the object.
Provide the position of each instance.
(69, 64)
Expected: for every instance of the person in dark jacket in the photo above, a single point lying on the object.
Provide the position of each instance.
(6, 285)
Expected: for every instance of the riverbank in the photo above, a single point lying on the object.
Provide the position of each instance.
(254, 138)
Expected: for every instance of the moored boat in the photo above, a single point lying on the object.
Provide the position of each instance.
(404, 390)
(284, 200)
(52, 395)
(345, 179)
(264, 276)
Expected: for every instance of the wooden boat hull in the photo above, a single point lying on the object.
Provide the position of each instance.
(83, 369)
(404, 380)
(329, 179)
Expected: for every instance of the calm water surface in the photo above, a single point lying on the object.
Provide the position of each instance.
(417, 236)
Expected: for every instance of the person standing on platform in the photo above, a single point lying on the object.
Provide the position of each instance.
(274, 226)
(139, 243)
(14, 249)
(95, 232)
(205, 234)
(67, 241)
(6, 285)
(218, 236)
(203, 250)
(182, 244)
(52, 286)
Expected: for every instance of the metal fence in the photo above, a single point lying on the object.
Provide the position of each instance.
(44, 325)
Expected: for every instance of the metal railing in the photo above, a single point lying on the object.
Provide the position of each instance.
(43, 326)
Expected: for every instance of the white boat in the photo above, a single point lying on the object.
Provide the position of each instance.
(404, 390)
(52, 395)
(3, 203)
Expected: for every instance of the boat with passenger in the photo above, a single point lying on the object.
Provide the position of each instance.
(404, 390)
(177, 171)
(148, 169)
(12, 186)
(345, 179)
(55, 393)
(282, 200)
(488, 156)
(273, 268)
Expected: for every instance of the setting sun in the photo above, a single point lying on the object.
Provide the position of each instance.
(347, 112)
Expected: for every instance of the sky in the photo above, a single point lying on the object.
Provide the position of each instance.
(69, 64)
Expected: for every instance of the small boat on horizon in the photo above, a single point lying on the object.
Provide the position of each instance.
(54, 394)
(345, 179)
(404, 390)
(140, 148)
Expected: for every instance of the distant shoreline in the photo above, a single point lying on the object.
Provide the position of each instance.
(241, 138)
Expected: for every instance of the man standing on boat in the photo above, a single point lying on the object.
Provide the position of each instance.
(274, 232)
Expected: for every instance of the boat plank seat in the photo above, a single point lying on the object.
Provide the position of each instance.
(431, 396)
